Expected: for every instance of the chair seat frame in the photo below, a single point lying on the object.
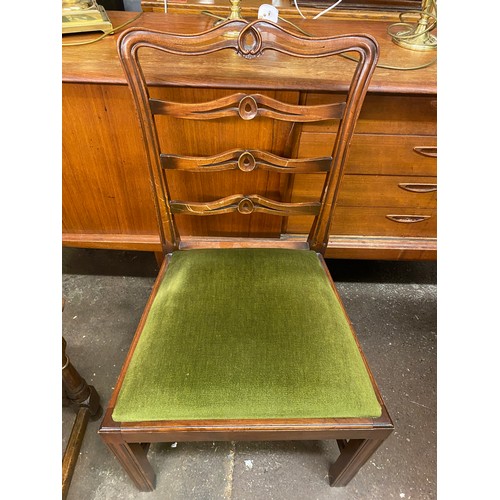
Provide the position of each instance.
(357, 438)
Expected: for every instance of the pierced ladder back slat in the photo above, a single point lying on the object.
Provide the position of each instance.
(246, 161)
(246, 50)
(245, 205)
(248, 107)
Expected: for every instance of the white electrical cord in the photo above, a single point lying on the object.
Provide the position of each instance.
(298, 10)
(317, 15)
(327, 10)
(165, 5)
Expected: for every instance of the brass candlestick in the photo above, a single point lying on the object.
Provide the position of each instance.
(417, 37)
(234, 14)
(235, 10)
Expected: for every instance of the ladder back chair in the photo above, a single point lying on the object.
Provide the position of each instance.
(244, 336)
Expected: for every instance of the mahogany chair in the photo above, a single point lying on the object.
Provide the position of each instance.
(244, 336)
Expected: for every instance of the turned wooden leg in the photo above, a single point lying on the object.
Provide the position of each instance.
(77, 392)
(353, 455)
(133, 458)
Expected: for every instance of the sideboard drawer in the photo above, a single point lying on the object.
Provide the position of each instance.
(384, 114)
(385, 221)
(375, 221)
(371, 190)
(378, 154)
(388, 191)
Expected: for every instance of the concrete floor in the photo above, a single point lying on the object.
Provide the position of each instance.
(393, 308)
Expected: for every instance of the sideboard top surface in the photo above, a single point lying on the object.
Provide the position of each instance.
(98, 62)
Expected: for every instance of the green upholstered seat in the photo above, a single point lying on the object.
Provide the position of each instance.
(245, 333)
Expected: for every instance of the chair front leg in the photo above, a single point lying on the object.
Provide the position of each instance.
(133, 458)
(353, 455)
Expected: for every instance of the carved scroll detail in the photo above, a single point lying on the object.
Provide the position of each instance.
(248, 108)
(246, 161)
(244, 205)
(249, 42)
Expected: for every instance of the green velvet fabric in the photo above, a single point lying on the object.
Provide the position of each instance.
(245, 333)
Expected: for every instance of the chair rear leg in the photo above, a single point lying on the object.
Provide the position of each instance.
(353, 455)
(133, 458)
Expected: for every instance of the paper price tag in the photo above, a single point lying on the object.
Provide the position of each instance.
(268, 12)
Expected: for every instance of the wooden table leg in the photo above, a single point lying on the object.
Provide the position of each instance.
(83, 398)
(73, 448)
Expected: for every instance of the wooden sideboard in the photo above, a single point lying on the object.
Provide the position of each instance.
(388, 10)
(387, 205)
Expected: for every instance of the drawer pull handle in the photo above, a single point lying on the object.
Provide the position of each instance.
(408, 219)
(416, 187)
(430, 151)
